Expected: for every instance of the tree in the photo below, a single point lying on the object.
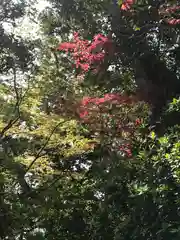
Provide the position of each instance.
(80, 155)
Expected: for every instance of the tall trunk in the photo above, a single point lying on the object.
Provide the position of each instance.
(156, 83)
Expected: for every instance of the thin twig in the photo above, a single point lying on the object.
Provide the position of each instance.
(19, 100)
(42, 148)
(16, 107)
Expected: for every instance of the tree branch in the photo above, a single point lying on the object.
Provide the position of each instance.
(43, 147)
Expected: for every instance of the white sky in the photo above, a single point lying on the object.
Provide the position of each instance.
(28, 28)
(42, 4)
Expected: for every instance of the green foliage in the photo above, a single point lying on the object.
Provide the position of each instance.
(61, 177)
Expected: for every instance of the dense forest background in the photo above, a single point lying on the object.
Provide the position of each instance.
(90, 120)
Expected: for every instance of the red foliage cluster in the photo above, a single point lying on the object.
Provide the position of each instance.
(127, 4)
(87, 54)
(172, 9)
(107, 97)
(126, 149)
(138, 122)
(173, 21)
(112, 98)
(102, 115)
